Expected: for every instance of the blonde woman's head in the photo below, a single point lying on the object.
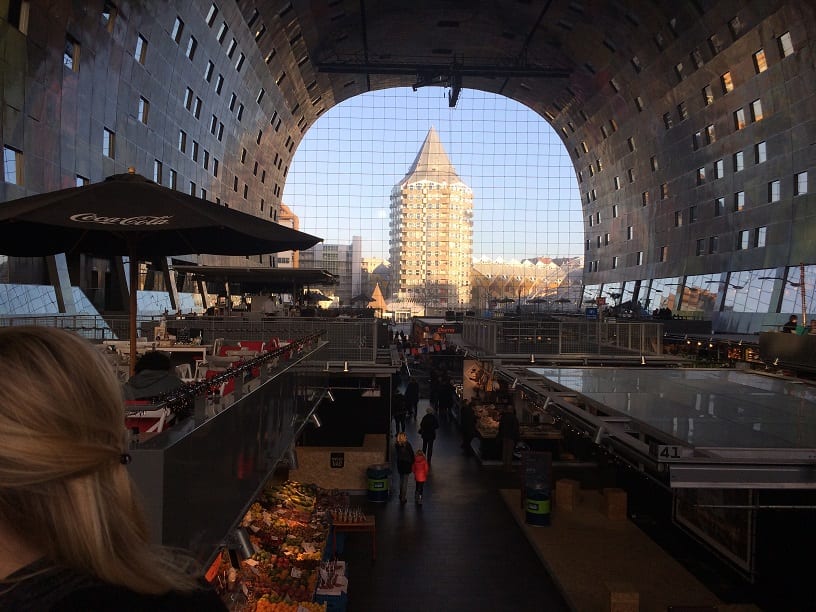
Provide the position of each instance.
(402, 438)
(63, 486)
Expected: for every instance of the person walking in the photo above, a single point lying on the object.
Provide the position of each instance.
(412, 398)
(420, 470)
(427, 429)
(509, 435)
(399, 411)
(404, 454)
(446, 397)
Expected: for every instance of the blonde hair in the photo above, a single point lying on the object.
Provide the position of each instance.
(402, 437)
(63, 488)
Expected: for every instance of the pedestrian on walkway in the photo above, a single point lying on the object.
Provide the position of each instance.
(427, 429)
(509, 435)
(467, 422)
(399, 411)
(412, 398)
(405, 462)
(420, 469)
(446, 397)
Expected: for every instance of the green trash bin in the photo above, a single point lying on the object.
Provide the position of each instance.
(378, 476)
(537, 504)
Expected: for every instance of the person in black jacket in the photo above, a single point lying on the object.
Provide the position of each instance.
(404, 454)
(412, 397)
(427, 429)
(68, 508)
(154, 376)
(509, 435)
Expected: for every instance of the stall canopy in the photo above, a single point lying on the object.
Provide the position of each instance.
(273, 280)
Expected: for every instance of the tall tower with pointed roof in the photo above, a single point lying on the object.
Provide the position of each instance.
(431, 232)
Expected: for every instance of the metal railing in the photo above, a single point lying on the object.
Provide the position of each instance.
(537, 337)
(93, 327)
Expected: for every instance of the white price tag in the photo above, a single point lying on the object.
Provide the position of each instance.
(295, 572)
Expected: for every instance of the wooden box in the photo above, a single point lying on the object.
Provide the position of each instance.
(614, 504)
(567, 494)
(621, 597)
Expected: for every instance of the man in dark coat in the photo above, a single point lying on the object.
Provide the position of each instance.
(412, 397)
(427, 429)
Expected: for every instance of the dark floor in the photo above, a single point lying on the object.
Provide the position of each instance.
(460, 550)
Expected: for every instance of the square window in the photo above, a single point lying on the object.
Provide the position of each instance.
(760, 234)
(761, 152)
(739, 161)
(774, 191)
(140, 53)
(727, 83)
(143, 110)
(178, 28)
(719, 207)
(708, 95)
(785, 45)
(800, 183)
(12, 166)
(739, 119)
(108, 143)
(760, 64)
(192, 45)
(756, 111)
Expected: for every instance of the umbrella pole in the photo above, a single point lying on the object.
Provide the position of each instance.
(133, 266)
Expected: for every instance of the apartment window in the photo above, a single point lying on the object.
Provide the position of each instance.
(182, 141)
(774, 191)
(258, 137)
(617, 183)
(710, 133)
(81, 181)
(205, 163)
(260, 32)
(211, 15)
(653, 163)
(222, 32)
(219, 83)
(614, 211)
(700, 247)
(173, 184)
(760, 234)
(678, 218)
(800, 183)
(604, 131)
(194, 153)
(697, 58)
(192, 45)
(735, 25)
(639, 258)
(644, 198)
(761, 152)
(220, 131)
(708, 95)
(760, 64)
(584, 147)
(231, 48)
(714, 44)
(243, 156)
(140, 53)
(215, 166)
(178, 28)
(143, 110)
(591, 170)
(233, 99)
(188, 98)
(614, 262)
(785, 45)
(203, 194)
(240, 62)
(213, 124)
(235, 184)
(70, 57)
(640, 104)
(587, 245)
(719, 169)
(108, 143)
(12, 166)
(630, 232)
(240, 112)
(592, 193)
(664, 191)
(719, 206)
(697, 139)
(739, 161)
(260, 96)
(713, 244)
(599, 165)
(727, 82)
(631, 142)
(756, 110)
(590, 220)
(208, 71)
(157, 171)
(678, 71)
(631, 173)
(739, 119)
(197, 108)
(246, 190)
(614, 125)
(700, 176)
(606, 239)
(664, 253)
(739, 201)
(598, 241)
(597, 217)
(692, 214)
(192, 188)
(743, 240)
(682, 111)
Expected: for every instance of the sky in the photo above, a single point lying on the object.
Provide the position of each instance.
(526, 199)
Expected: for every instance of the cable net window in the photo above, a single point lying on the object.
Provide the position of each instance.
(443, 208)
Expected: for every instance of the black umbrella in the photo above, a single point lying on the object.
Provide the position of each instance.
(127, 214)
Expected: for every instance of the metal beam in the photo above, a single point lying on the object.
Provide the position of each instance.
(444, 70)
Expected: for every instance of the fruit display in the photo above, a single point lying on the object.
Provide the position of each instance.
(288, 526)
(487, 420)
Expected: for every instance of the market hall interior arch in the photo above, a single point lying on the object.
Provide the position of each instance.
(689, 124)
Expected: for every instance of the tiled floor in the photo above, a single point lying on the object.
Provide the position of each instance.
(461, 550)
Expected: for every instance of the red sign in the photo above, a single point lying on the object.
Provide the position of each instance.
(601, 301)
(445, 330)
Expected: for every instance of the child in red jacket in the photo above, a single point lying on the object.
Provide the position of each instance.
(420, 469)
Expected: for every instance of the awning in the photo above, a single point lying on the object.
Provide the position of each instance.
(264, 279)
